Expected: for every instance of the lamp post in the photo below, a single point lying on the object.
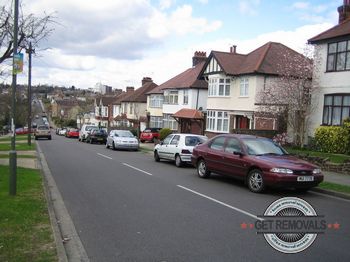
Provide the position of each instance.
(30, 51)
(13, 153)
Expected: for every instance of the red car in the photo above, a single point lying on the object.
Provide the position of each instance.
(72, 133)
(256, 160)
(149, 134)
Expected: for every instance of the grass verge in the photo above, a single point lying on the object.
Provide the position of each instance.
(18, 138)
(18, 156)
(335, 158)
(335, 187)
(26, 233)
(19, 147)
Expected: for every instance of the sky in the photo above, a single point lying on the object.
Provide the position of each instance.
(118, 42)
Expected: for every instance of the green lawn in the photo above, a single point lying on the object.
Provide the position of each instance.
(26, 233)
(335, 187)
(18, 156)
(19, 147)
(18, 138)
(335, 158)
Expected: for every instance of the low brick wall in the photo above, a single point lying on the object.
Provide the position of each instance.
(343, 168)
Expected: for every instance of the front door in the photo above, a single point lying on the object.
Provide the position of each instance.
(242, 122)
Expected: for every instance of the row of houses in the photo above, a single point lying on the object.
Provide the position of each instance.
(223, 92)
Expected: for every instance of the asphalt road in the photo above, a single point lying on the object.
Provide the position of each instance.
(126, 207)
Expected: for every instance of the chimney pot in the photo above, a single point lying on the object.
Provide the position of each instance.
(130, 89)
(146, 80)
(198, 57)
(344, 11)
(233, 49)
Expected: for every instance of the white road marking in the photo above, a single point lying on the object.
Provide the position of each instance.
(222, 203)
(104, 156)
(125, 164)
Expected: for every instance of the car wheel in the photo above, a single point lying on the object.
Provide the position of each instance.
(178, 161)
(142, 141)
(202, 169)
(113, 146)
(50, 137)
(255, 181)
(90, 140)
(156, 156)
(79, 139)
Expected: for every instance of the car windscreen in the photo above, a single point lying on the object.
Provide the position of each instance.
(122, 133)
(89, 128)
(43, 128)
(193, 140)
(260, 146)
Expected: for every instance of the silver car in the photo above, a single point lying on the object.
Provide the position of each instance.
(178, 147)
(122, 139)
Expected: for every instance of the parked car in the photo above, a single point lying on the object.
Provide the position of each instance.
(178, 147)
(85, 129)
(256, 160)
(149, 134)
(58, 131)
(42, 131)
(22, 131)
(122, 139)
(97, 135)
(72, 133)
(62, 131)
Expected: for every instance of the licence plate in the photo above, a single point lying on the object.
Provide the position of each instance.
(305, 178)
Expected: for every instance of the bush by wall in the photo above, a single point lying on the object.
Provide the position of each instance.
(333, 139)
(164, 132)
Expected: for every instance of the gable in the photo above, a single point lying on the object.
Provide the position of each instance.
(213, 66)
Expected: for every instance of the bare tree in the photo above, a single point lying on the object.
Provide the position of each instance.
(30, 29)
(290, 93)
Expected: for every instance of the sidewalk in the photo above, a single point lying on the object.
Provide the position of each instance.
(22, 162)
(336, 178)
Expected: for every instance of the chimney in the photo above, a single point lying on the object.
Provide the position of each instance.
(344, 11)
(130, 89)
(198, 57)
(146, 80)
(233, 49)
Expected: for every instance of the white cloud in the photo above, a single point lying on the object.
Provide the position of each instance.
(248, 7)
(301, 5)
(165, 4)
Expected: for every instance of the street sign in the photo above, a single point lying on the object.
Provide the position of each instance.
(17, 63)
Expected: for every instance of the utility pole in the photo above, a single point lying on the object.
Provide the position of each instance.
(30, 51)
(13, 153)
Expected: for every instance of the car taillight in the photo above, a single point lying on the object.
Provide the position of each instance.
(185, 151)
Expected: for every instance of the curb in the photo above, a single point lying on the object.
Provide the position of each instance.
(331, 193)
(68, 243)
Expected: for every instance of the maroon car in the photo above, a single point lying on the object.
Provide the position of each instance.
(258, 161)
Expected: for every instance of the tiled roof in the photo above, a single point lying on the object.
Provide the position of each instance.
(339, 30)
(67, 102)
(187, 79)
(188, 113)
(120, 97)
(156, 90)
(139, 95)
(106, 100)
(263, 60)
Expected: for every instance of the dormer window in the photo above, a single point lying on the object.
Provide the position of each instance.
(338, 56)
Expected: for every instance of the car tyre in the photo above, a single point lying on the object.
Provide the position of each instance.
(178, 161)
(142, 141)
(202, 169)
(156, 156)
(50, 137)
(255, 181)
(90, 140)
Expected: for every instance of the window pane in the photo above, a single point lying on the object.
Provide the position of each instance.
(342, 46)
(218, 144)
(332, 48)
(348, 45)
(221, 90)
(227, 90)
(222, 80)
(225, 126)
(337, 100)
(219, 127)
(233, 146)
(345, 113)
(328, 100)
(326, 120)
(346, 101)
(341, 61)
(228, 80)
(330, 63)
(336, 116)
(219, 114)
(347, 66)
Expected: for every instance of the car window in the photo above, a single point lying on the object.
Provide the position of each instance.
(147, 131)
(193, 140)
(167, 139)
(218, 143)
(123, 133)
(260, 146)
(175, 140)
(233, 145)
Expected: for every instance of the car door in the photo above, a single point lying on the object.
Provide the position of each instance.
(173, 147)
(234, 164)
(163, 147)
(110, 138)
(214, 158)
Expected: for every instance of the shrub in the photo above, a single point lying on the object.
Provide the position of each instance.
(164, 132)
(281, 139)
(333, 139)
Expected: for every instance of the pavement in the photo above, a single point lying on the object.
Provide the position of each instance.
(21, 162)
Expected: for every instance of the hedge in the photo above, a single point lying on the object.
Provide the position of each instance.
(333, 139)
(164, 132)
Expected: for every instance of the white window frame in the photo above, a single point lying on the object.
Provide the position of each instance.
(185, 98)
(244, 87)
(156, 101)
(219, 86)
(169, 122)
(156, 122)
(218, 121)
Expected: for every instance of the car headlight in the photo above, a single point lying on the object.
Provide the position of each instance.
(316, 171)
(281, 170)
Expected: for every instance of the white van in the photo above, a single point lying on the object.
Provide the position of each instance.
(85, 129)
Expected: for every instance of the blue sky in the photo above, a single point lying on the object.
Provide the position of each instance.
(119, 42)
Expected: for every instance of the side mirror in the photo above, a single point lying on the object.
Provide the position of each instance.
(161, 143)
(238, 153)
